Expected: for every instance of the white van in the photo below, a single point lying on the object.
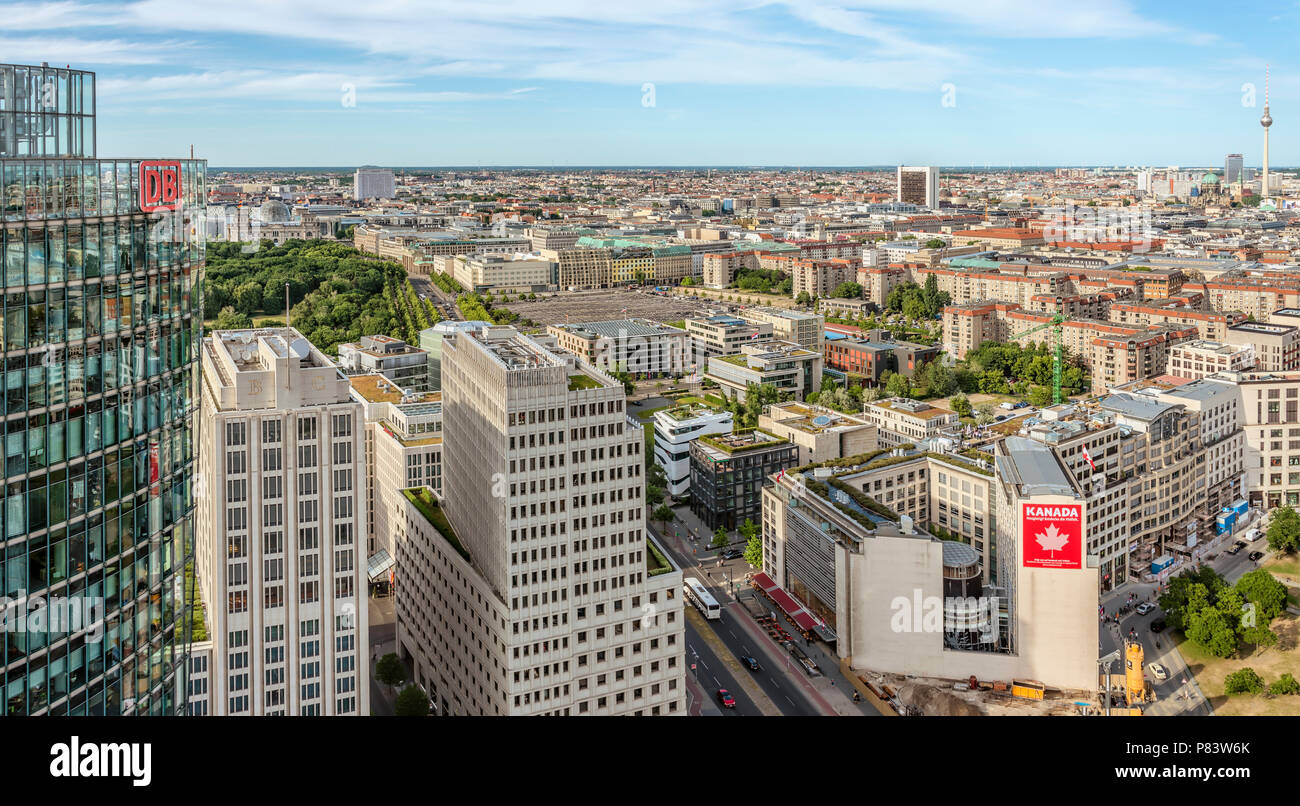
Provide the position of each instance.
(1253, 535)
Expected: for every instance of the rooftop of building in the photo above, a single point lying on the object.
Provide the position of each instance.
(912, 408)
(375, 388)
(619, 328)
(812, 419)
(1210, 346)
(740, 441)
(427, 503)
(1263, 328)
(1033, 468)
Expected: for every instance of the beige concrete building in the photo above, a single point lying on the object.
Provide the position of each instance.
(519, 272)
(723, 335)
(581, 267)
(820, 433)
(1276, 346)
(1270, 416)
(805, 329)
(789, 367)
(1200, 357)
(533, 586)
(901, 420)
(820, 278)
(278, 546)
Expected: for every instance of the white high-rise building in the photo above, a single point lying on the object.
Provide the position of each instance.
(281, 508)
(533, 587)
(371, 182)
(918, 185)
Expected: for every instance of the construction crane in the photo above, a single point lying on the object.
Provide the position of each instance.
(1055, 325)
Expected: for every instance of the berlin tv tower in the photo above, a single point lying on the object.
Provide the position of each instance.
(1265, 121)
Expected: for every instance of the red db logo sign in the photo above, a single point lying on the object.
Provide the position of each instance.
(160, 185)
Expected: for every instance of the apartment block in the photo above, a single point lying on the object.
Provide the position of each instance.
(1200, 357)
(278, 542)
(581, 267)
(820, 278)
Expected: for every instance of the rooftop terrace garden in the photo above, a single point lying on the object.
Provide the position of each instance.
(424, 501)
(581, 381)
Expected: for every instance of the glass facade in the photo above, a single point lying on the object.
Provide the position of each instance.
(99, 340)
(46, 112)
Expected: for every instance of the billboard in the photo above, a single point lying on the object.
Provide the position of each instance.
(160, 185)
(1051, 535)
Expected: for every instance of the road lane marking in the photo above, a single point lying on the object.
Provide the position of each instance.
(727, 656)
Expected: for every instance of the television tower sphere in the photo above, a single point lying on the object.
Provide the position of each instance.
(1266, 120)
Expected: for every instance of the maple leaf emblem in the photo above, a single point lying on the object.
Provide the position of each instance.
(1052, 539)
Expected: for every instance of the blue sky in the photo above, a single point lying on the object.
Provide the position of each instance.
(947, 82)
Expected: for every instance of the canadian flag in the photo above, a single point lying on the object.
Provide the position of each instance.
(1088, 457)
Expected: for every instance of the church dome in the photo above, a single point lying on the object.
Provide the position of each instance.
(273, 211)
(1210, 179)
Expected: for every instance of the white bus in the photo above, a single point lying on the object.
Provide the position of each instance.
(699, 596)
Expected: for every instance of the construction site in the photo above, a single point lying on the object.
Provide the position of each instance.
(1125, 693)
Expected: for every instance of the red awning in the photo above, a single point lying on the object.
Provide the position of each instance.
(792, 607)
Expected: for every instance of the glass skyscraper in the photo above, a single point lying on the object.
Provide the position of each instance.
(101, 260)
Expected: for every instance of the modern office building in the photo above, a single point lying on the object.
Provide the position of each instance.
(370, 182)
(728, 473)
(675, 429)
(821, 433)
(101, 326)
(404, 365)
(901, 420)
(431, 340)
(1200, 357)
(918, 185)
(641, 347)
(279, 551)
(804, 329)
(723, 335)
(792, 369)
(1232, 169)
(1275, 345)
(532, 587)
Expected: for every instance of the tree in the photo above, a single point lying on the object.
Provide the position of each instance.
(1286, 684)
(984, 415)
(1040, 396)
(748, 530)
(934, 243)
(848, 291)
(1261, 589)
(960, 404)
(1284, 530)
(248, 298)
(803, 298)
(688, 282)
(390, 670)
(230, 319)
(898, 386)
(663, 513)
(720, 539)
(1243, 681)
(754, 551)
(411, 702)
(1210, 630)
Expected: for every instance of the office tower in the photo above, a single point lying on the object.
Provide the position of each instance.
(918, 185)
(278, 528)
(1232, 169)
(1266, 120)
(533, 586)
(371, 182)
(100, 316)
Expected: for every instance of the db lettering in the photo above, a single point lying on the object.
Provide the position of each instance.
(160, 185)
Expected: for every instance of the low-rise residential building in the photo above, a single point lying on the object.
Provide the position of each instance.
(785, 365)
(877, 354)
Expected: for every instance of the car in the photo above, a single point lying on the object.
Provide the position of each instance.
(732, 554)
(1158, 672)
(751, 662)
(1144, 608)
(1234, 550)
(1241, 544)
(726, 699)
(1157, 625)
(1254, 556)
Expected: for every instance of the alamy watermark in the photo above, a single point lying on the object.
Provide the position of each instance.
(58, 615)
(937, 614)
(1100, 225)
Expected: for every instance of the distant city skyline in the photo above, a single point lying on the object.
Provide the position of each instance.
(560, 84)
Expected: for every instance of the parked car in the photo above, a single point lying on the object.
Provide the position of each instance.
(1235, 549)
(1254, 556)
(726, 699)
(751, 662)
(732, 554)
(1158, 672)
(1144, 608)
(1158, 625)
